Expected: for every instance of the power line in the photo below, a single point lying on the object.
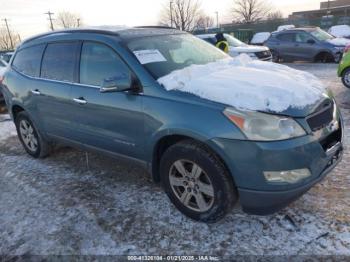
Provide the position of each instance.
(50, 18)
(8, 31)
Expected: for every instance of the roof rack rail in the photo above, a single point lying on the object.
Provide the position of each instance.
(70, 31)
(155, 26)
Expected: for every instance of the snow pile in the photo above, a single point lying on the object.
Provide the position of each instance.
(248, 85)
(340, 30)
(339, 41)
(285, 27)
(260, 38)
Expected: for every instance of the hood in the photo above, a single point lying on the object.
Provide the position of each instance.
(250, 85)
(339, 41)
(247, 49)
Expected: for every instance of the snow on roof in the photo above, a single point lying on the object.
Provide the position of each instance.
(248, 85)
(340, 30)
(285, 27)
(260, 38)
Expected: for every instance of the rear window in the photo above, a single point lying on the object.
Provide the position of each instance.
(60, 61)
(27, 61)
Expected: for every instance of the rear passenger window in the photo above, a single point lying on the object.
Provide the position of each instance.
(99, 62)
(59, 61)
(286, 37)
(27, 61)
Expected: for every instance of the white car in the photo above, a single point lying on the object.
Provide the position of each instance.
(340, 31)
(236, 47)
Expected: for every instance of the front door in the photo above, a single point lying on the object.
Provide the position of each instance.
(110, 121)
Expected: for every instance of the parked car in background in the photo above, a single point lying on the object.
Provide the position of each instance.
(237, 47)
(260, 38)
(123, 93)
(6, 56)
(340, 31)
(307, 44)
(344, 68)
(3, 66)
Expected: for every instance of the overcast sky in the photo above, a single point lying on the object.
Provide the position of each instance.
(27, 16)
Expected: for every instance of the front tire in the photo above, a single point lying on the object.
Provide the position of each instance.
(31, 139)
(346, 77)
(197, 182)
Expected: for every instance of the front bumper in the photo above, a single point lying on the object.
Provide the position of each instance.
(266, 202)
(247, 160)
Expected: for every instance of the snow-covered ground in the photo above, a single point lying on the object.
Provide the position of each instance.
(66, 205)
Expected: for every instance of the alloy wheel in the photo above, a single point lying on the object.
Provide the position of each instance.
(191, 185)
(28, 135)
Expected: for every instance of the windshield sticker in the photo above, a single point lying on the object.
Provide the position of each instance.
(149, 56)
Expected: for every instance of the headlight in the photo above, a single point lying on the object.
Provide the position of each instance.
(264, 127)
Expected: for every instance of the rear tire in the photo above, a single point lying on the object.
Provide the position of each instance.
(31, 139)
(197, 182)
(346, 77)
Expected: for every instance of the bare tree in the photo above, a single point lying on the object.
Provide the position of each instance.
(250, 11)
(205, 21)
(275, 15)
(68, 20)
(5, 39)
(183, 14)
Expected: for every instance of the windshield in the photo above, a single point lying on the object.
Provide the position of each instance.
(161, 55)
(234, 41)
(321, 35)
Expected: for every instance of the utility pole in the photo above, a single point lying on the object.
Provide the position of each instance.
(50, 18)
(78, 22)
(8, 31)
(217, 19)
(171, 13)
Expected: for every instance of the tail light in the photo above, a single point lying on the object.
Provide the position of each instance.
(347, 48)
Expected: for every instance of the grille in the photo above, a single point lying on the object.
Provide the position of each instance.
(321, 119)
(263, 54)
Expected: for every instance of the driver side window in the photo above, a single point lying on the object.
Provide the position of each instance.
(99, 62)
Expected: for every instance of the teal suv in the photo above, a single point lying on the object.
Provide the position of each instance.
(98, 90)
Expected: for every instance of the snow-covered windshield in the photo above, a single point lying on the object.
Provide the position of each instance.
(161, 55)
(234, 41)
(321, 35)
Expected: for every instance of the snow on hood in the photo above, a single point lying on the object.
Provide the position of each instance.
(339, 41)
(248, 49)
(340, 30)
(248, 85)
(260, 38)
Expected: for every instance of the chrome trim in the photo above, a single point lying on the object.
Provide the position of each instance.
(35, 92)
(80, 101)
(333, 149)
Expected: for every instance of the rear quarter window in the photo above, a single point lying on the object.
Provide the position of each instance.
(27, 61)
(60, 61)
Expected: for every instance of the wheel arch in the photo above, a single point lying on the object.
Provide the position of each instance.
(322, 53)
(168, 140)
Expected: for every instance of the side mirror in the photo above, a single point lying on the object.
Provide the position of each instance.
(118, 83)
(311, 42)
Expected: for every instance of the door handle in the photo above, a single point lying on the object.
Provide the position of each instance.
(80, 101)
(36, 92)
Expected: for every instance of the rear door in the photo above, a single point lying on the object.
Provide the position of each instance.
(109, 121)
(285, 45)
(58, 71)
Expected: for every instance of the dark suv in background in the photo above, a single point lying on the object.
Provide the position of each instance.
(306, 44)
